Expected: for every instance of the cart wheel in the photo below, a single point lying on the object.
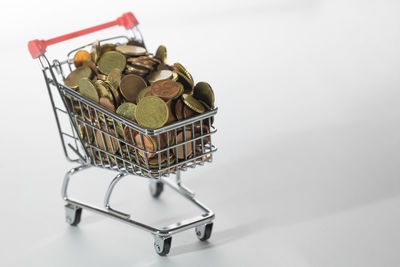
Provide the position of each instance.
(156, 188)
(73, 214)
(162, 245)
(203, 232)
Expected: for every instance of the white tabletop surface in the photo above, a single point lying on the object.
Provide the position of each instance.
(307, 172)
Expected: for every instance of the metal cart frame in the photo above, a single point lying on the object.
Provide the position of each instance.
(79, 119)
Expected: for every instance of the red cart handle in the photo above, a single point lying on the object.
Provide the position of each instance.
(38, 47)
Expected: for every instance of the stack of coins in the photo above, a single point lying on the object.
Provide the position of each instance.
(128, 80)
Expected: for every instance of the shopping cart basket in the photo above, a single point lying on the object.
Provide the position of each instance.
(93, 136)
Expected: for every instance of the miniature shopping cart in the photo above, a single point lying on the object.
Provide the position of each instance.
(85, 127)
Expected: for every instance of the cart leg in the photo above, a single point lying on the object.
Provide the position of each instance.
(73, 214)
(162, 245)
(156, 188)
(203, 232)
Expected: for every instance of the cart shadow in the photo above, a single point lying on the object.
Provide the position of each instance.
(221, 237)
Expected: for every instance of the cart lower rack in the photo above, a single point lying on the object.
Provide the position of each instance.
(95, 137)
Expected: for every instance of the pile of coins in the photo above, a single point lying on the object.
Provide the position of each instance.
(130, 81)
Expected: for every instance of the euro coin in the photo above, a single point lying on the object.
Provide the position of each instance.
(114, 78)
(179, 109)
(73, 78)
(159, 75)
(193, 103)
(184, 151)
(103, 91)
(131, 85)
(152, 112)
(161, 54)
(127, 110)
(166, 89)
(204, 92)
(111, 60)
(107, 104)
(146, 143)
(87, 90)
(142, 93)
(80, 57)
(95, 52)
(106, 47)
(131, 50)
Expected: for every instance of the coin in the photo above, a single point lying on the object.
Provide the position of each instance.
(127, 110)
(179, 109)
(166, 89)
(204, 92)
(152, 112)
(114, 92)
(91, 65)
(111, 60)
(131, 85)
(150, 145)
(185, 81)
(193, 103)
(95, 52)
(114, 78)
(142, 93)
(106, 141)
(161, 54)
(159, 75)
(131, 50)
(179, 67)
(188, 112)
(187, 149)
(107, 103)
(80, 57)
(106, 47)
(103, 91)
(102, 77)
(129, 134)
(87, 90)
(137, 71)
(171, 117)
(73, 78)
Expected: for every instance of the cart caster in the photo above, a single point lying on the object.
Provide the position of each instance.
(73, 214)
(162, 245)
(203, 232)
(156, 188)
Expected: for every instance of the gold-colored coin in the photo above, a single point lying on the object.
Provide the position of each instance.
(185, 81)
(193, 103)
(114, 78)
(127, 110)
(107, 104)
(159, 75)
(203, 91)
(179, 67)
(131, 50)
(161, 54)
(174, 76)
(152, 112)
(166, 89)
(103, 90)
(111, 60)
(95, 52)
(142, 93)
(104, 48)
(131, 85)
(80, 57)
(114, 92)
(135, 70)
(73, 78)
(87, 90)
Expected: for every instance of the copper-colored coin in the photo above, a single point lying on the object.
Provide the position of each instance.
(80, 57)
(184, 150)
(131, 50)
(106, 102)
(171, 117)
(114, 92)
(102, 77)
(131, 85)
(134, 70)
(107, 141)
(129, 134)
(91, 65)
(179, 109)
(149, 145)
(193, 103)
(166, 89)
(188, 112)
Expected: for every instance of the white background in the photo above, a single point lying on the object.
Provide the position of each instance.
(307, 172)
